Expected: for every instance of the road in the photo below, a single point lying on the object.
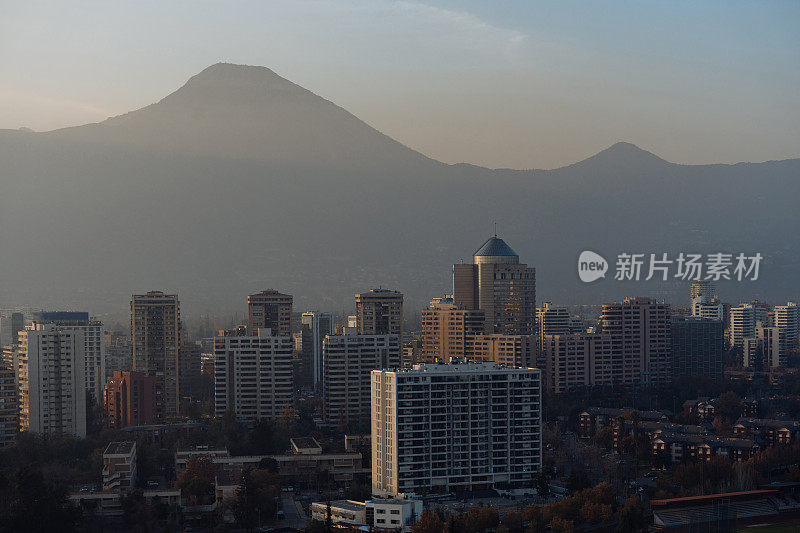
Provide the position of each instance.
(293, 511)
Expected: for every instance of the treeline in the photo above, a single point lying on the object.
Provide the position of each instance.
(590, 506)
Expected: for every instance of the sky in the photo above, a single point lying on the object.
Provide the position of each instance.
(516, 84)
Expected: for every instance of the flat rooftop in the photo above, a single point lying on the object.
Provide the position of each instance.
(119, 448)
(349, 505)
(467, 367)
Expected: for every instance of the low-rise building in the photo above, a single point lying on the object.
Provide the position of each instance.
(119, 466)
(770, 432)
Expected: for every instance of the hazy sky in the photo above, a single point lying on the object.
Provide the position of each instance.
(504, 84)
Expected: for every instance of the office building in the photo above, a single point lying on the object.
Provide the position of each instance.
(253, 374)
(133, 399)
(314, 328)
(52, 387)
(269, 310)
(447, 330)
(698, 347)
(499, 285)
(642, 327)
(347, 363)
(94, 349)
(155, 342)
(440, 428)
(379, 312)
(574, 360)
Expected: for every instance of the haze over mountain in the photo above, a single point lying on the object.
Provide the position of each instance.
(241, 180)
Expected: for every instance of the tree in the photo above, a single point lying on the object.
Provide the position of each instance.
(256, 498)
(28, 502)
(429, 522)
(631, 516)
(542, 485)
(729, 407)
(197, 481)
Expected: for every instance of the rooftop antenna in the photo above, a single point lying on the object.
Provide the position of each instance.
(495, 228)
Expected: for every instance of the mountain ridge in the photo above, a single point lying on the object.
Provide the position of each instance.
(218, 201)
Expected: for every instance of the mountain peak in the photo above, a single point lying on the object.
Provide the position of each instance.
(623, 154)
(234, 73)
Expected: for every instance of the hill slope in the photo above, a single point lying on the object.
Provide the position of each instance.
(241, 180)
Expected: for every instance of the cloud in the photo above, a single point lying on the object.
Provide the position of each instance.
(460, 27)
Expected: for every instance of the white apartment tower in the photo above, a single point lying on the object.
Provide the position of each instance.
(252, 375)
(743, 319)
(787, 319)
(94, 345)
(455, 427)
(51, 380)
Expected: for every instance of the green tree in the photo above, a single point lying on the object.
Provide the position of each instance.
(28, 502)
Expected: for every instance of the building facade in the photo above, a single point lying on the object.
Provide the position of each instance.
(743, 319)
(379, 312)
(9, 403)
(314, 328)
(642, 327)
(156, 340)
(348, 361)
(253, 375)
(499, 285)
(133, 399)
(698, 347)
(447, 330)
(94, 349)
(455, 427)
(269, 309)
(580, 359)
(52, 392)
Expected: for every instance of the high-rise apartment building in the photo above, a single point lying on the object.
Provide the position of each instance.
(762, 351)
(314, 328)
(698, 347)
(379, 312)
(269, 310)
(642, 327)
(9, 403)
(499, 285)
(10, 326)
(347, 363)
(787, 319)
(253, 374)
(704, 289)
(443, 428)
(574, 360)
(509, 350)
(743, 319)
(94, 349)
(133, 399)
(52, 387)
(189, 355)
(447, 330)
(156, 340)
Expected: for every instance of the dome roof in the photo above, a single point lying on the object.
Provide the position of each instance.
(495, 246)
